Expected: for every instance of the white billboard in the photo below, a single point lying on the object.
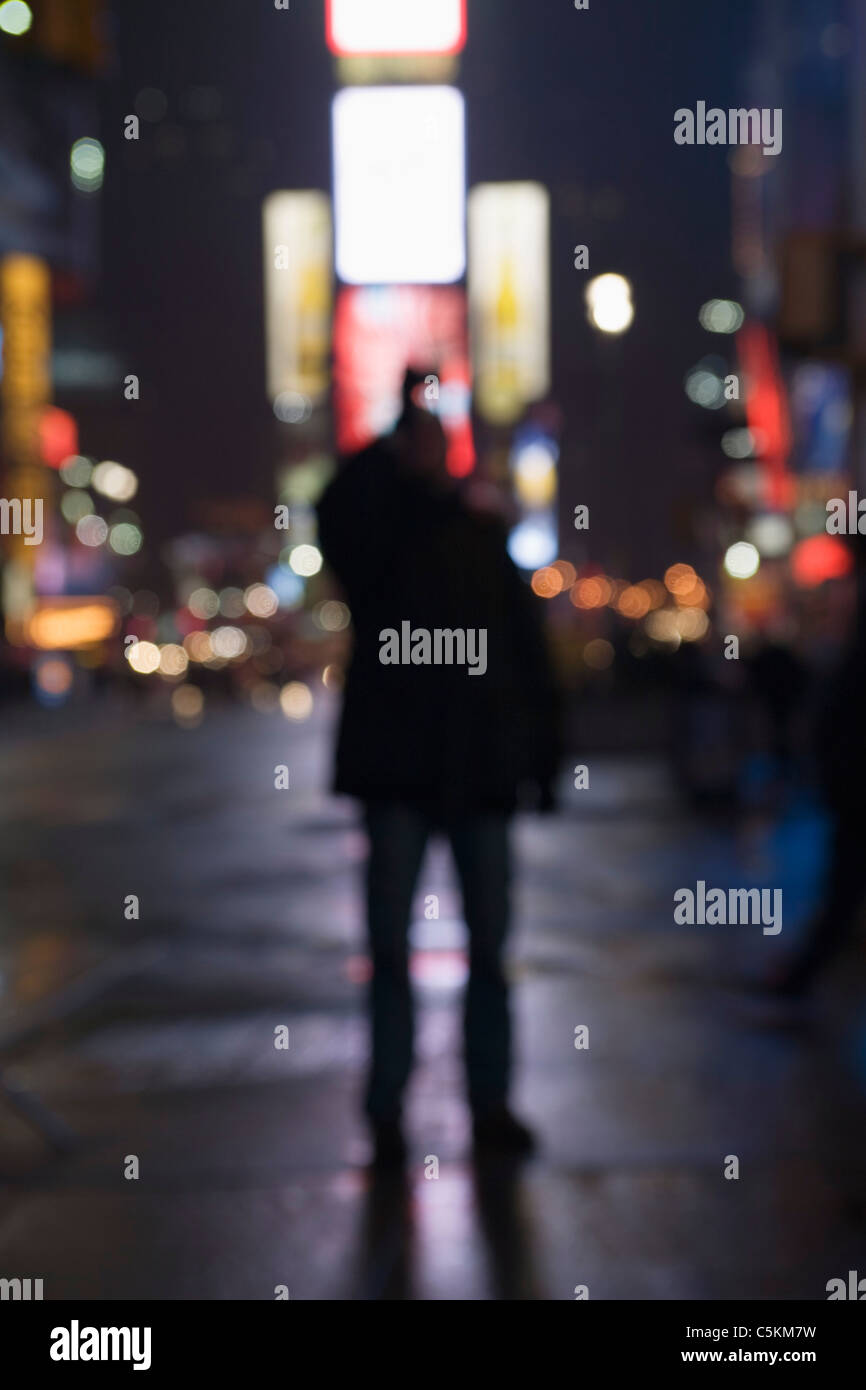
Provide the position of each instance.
(399, 185)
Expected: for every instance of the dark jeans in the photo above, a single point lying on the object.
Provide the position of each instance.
(479, 843)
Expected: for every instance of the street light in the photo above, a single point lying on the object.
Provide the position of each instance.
(608, 303)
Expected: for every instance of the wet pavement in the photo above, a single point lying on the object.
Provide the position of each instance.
(155, 1039)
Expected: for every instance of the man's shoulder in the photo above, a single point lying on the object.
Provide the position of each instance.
(359, 470)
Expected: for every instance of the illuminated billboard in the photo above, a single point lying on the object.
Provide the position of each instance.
(399, 185)
(377, 334)
(395, 26)
(298, 295)
(509, 297)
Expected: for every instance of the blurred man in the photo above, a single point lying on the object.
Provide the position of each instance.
(436, 746)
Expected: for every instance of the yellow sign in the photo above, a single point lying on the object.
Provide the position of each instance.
(509, 297)
(298, 298)
(25, 317)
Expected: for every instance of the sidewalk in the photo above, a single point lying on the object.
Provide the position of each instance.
(252, 1159)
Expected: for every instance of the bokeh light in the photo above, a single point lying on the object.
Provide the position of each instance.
(818, 559)
(331, 616)
(75, 504)
(261, 601)
(125, 538)
(598, 654)
(87, 165)
(547, 582)
(76, 470)
(173, 661)
(296, 701)
(742, 560)
(721, 316)
(609, 304)
(634, 602)
(114, 480)
(592, 592)
(229, 642)
(203, 603)
(144, 657)
(771, 534)
(92, 530)
(305, 560)
(187, 704)
(15, 17)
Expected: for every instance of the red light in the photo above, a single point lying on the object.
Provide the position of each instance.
(819, 558)
(58, 436)
(348, 20)
(766, 407)
(377, 334)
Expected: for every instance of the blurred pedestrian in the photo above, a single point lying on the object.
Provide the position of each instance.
(436, 748)
(839, 748)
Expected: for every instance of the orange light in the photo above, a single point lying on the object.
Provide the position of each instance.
(655, 592)
(67, 624)
(593, 592)
(694, 597)
(633, 602)
(568, 572)
(679, 579)
(547, 582)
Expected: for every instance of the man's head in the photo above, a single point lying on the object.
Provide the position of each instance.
(419, 432)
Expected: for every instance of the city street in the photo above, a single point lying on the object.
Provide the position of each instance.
(155, 1039)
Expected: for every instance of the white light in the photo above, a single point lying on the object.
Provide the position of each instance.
(15, 17)
(773, 535)
(399, 191)
(533, 543)
(76, 470)
(261, 601)
(306, 560)
(742, 560)
(738, 443)
(296, 700)
(228, 642)
(92, 530)
(292, 407)
(608, 301)
(705, 388)
(87, 165)
(203, 603)
(721, 316)
(395, 26)
(143, 657)
(114, 480)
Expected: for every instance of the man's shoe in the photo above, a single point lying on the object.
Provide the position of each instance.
(501, 1132)
(389, 1144)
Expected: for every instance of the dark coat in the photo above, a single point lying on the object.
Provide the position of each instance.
(427, 734)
